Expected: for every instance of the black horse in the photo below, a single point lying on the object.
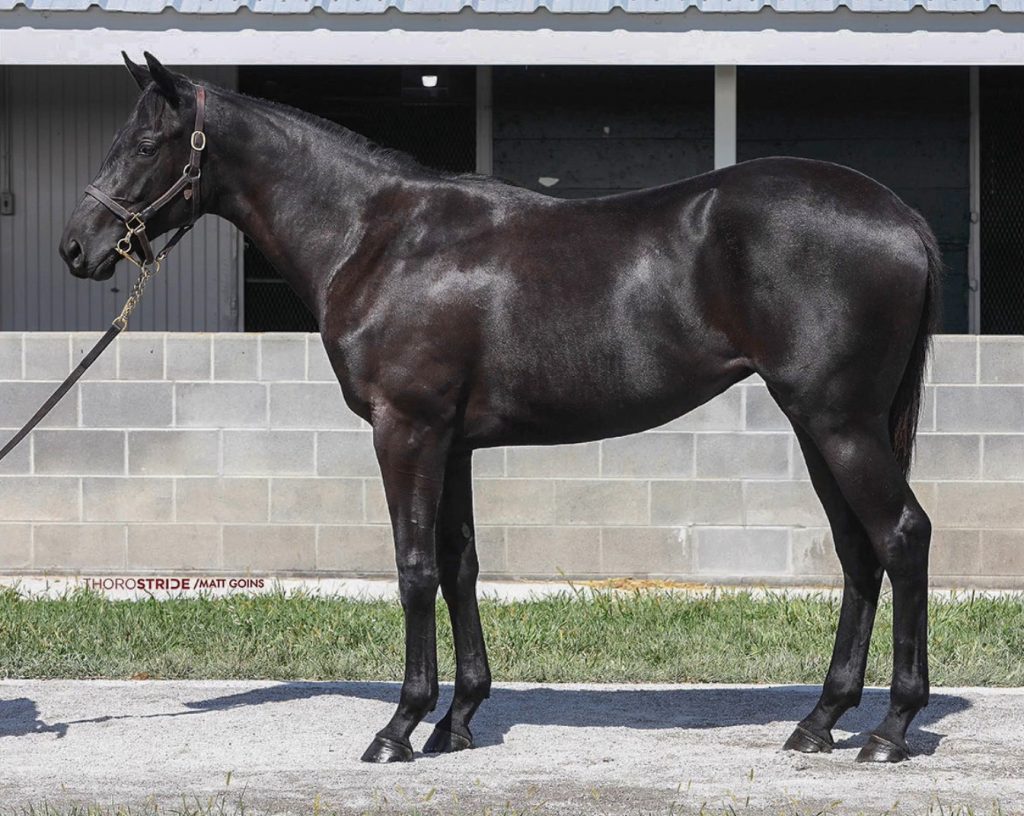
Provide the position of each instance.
(462, 312)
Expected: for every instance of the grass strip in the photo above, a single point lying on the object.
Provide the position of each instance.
(596, 636)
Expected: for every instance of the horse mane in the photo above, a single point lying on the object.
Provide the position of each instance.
(349, 140)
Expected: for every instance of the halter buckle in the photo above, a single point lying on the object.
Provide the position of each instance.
(135, 224)
(198, 141)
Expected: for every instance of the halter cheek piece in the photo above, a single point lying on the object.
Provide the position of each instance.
(187, 183)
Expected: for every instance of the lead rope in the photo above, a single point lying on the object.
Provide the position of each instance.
(119, 324)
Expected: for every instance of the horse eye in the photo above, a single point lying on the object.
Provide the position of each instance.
(147, 149)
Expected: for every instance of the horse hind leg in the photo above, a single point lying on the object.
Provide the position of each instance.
(456, 544)
(859, 456)
(862, 580)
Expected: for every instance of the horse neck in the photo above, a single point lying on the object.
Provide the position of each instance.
(285, 183)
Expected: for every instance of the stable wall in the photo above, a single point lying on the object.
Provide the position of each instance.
(235, 454)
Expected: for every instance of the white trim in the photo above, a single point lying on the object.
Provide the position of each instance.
(484, 122)
(451, 43)
(974, 242)
(725, 115)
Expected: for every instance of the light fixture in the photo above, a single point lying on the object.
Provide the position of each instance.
(429, 80)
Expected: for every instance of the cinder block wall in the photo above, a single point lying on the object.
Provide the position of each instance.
(236, 454)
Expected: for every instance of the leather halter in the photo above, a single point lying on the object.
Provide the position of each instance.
(187, 183)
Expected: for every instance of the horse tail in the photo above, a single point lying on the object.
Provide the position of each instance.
(906, 405)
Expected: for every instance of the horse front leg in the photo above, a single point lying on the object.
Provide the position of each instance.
(412, 454)
(459, 569)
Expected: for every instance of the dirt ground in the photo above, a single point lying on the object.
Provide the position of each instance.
(549, 749)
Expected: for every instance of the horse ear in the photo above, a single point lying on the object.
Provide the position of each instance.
(163, 78)
(139, 74)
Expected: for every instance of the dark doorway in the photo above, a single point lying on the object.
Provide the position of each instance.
(1002, 200)
(429, 112)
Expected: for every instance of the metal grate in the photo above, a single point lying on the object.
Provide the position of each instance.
(393, 107)
(1002, 200)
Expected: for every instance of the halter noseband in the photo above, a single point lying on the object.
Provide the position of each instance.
(188, 183)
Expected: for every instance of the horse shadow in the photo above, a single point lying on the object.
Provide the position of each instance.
(641, 708)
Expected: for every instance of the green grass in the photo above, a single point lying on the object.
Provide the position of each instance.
(602, 636)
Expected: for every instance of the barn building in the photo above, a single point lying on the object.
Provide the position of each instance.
(571, 97)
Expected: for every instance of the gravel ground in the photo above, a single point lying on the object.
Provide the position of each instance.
(551, 749)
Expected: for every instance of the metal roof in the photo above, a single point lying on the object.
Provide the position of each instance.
(506, 6)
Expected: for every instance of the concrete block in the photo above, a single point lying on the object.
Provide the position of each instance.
(221, 405)
(492, 550)
(489, 463)
(173, 453)
(593, 502)
(346, 453)
(762, 413)
(189, 357)
(283, 356)
(1001, 360)
(658, 455)
(947, 456)
(377, 504)
(723, 413)
(39, 498)
(236, 357)
(640, 551)
(316, 406)
(743, 455)
(954, 359)
(19, 460)
(926, 417)
(74, 548)
(222, 500)
(986, 409)
(741, 551)
(510, 501)
(119, 499)
(316, 501)
(977, 505)
(553, 551)
(813, 554)
(22, 399)
(47, 355)
(140, 356)
(10, 356)
(126, 404)
(554, 460)
(362, 549)
(696, 502)
(15, 547)
(105, 366)
(789, 504)
(271, 453)
(79, 452)
(954, 553)
(273, 548)
(174, 547)
(1002, 555)
(318, 367)
(1003, 457)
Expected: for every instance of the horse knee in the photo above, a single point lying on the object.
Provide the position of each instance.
(904, 551)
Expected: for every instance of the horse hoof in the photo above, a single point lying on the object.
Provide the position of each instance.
(881, 750)
(805, 742)
(383, 750)
(445, 742)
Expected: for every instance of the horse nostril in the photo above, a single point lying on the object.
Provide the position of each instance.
(74, 253)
